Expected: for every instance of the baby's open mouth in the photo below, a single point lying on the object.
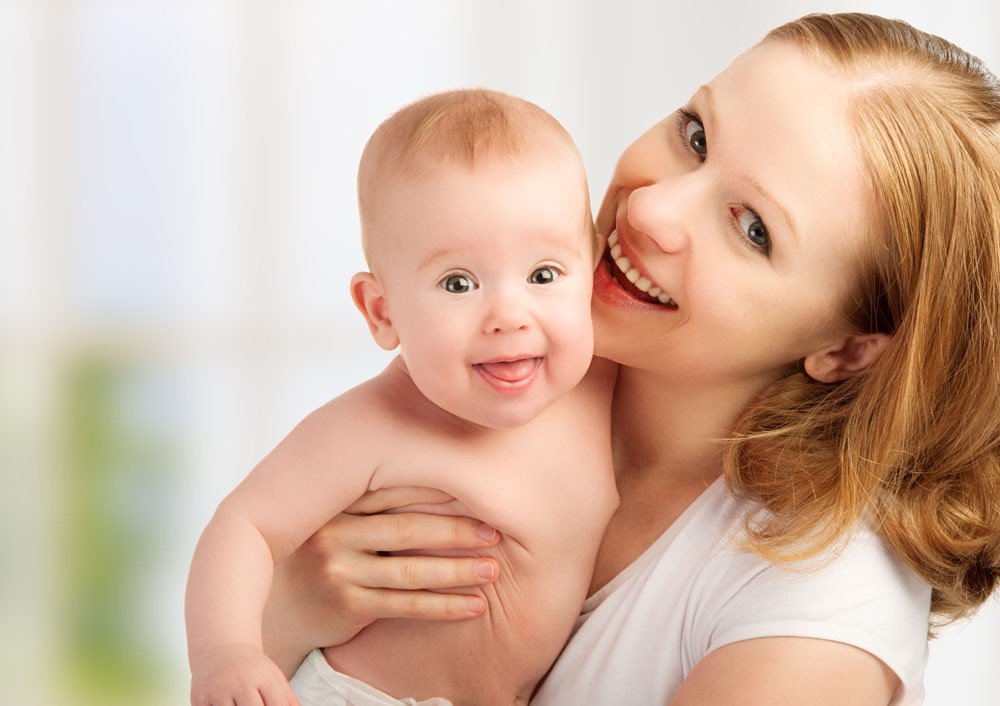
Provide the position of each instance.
(631, 279)
(510, 375)
(511, 371)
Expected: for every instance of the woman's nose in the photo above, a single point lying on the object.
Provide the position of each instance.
(660, 211)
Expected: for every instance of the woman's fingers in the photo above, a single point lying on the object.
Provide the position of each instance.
(423, 605)
(419, 572)
(403, 531)
(393, 498)
(337, 582)
(347, 550)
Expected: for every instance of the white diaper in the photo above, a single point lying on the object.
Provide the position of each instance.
(316, 683)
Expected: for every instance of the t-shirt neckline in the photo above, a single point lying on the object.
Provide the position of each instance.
(654, 549)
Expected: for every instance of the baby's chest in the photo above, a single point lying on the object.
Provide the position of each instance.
(523, 484)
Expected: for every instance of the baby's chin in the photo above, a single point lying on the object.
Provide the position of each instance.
(501, 412)
(517, 400)
(504, 415)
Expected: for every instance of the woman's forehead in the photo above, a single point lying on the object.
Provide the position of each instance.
(779, 122)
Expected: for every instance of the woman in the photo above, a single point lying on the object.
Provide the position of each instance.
(806, 441)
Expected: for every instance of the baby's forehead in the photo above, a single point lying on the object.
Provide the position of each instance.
(455, 209)
(549, 149)
(452, 183)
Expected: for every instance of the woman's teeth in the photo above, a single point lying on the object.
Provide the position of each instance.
(640, 282)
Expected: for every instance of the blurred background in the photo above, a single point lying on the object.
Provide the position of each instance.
(178, 227)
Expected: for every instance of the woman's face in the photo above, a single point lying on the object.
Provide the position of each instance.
(742, 217)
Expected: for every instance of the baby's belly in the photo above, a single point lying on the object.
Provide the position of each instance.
(496, 658)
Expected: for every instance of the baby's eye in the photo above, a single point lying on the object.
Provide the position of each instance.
(694, 133)
(457, 284)
(543, 275)
(754, 230)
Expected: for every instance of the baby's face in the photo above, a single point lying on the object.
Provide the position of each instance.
(488, 276)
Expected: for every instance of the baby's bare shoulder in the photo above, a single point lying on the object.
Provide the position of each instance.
(386, 400)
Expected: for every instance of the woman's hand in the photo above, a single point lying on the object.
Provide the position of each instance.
(339, 580)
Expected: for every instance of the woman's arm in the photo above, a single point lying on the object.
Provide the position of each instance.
(339, 581)
(787, 671)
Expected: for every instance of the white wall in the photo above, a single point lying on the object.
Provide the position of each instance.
(177, 203)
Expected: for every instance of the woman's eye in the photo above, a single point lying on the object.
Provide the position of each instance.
(755, 230)
(457, 284)
(694, 133)
(543, 275)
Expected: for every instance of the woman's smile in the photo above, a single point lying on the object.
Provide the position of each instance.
(631, 278)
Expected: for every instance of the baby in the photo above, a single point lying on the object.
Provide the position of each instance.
(477, 230)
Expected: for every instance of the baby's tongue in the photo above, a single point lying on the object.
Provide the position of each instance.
(511, 371)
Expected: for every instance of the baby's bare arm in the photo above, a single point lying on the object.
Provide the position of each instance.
(315, 472)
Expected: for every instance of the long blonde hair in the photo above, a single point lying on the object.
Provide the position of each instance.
(913, 445)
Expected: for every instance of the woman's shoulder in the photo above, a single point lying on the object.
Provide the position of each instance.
(694, 590)
(863, 570)
(859, 593)
(860, 577)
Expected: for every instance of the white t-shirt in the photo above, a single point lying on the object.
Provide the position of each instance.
(691, 592)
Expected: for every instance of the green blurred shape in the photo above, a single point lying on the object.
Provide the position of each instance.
(117, 458)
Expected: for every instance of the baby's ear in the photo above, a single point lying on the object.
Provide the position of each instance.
(369, 297)
(846, 358)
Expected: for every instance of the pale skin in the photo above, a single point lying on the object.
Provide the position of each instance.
(485, 283)
(748, 209)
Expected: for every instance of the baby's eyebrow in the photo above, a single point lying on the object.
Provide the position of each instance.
(560, 246)
(435, 256)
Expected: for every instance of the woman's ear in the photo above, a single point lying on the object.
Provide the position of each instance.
(848, 357)
(369, 297)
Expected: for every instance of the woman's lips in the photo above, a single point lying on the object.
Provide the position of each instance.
(631, 279)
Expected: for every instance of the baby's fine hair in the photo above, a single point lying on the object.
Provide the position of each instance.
(912, 446)
(460, 128)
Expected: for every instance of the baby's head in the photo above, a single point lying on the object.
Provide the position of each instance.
(476, 225)
(463, 130)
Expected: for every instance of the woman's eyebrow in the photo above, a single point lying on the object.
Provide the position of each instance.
(765, 194)
(705, 92)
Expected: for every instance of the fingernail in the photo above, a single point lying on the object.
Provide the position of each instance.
(474, 605)
(485, 532)
(484, 570)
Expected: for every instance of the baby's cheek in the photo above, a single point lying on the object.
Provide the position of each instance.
(576, 350)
